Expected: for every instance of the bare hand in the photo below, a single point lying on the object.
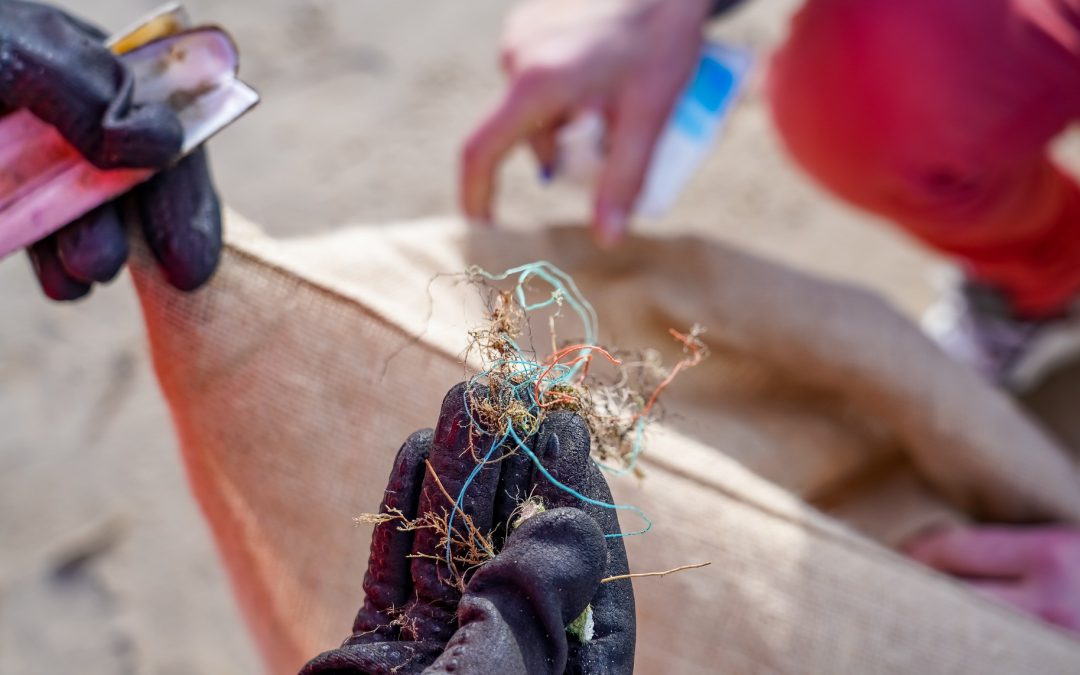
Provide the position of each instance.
(1034, 569)
(626, 58)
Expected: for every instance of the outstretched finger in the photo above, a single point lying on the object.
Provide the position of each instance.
(533, 101)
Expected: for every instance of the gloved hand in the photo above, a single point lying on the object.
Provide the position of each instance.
(513, 614)
(56, 66)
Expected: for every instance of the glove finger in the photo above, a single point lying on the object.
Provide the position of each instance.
(514, 488)
(562, 555)
(562, 446)
(181, 220)
(387, 584)
(514, 612)
(383, 658)
(56, 67)
(54, 279)
(94, 247)
(431, 614)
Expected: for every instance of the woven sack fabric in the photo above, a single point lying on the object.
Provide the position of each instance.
(824, 429)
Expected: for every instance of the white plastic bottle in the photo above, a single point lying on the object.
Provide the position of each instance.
(694, 124)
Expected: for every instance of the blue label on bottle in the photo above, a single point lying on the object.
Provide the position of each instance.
(708, 96)
(713, 85)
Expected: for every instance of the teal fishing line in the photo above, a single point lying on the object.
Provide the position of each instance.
(565, 292)
(565, 289)
(588, 500)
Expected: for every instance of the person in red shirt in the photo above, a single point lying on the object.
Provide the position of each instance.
(935, 114)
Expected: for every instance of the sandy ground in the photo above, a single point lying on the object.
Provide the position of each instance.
(105, 563)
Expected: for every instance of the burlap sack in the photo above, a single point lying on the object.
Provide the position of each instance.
(294, 377)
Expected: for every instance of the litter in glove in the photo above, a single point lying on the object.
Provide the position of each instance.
(57, 67)
(513, 613)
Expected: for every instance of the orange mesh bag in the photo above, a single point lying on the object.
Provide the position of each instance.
(823, 429)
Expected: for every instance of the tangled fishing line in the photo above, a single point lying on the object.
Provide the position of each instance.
(521, 387)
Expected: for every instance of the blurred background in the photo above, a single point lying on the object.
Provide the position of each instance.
(105, 563)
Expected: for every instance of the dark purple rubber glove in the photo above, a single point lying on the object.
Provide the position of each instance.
(56, 66)
(513, 614)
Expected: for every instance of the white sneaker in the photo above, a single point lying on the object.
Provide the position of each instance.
(974, 325)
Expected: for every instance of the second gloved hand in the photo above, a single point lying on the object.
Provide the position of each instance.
(57, 67)
(512, 615)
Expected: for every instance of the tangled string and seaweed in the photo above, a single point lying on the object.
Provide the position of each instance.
(521, 387)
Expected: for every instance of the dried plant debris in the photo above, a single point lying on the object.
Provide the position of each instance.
(614, 391)
(616, 403)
